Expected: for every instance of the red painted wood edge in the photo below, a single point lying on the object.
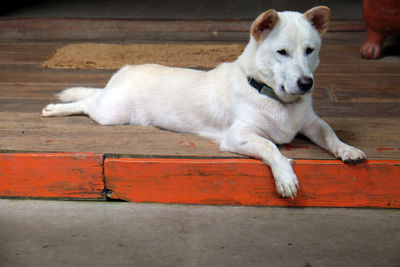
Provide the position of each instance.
(53, 175)
(328, 183)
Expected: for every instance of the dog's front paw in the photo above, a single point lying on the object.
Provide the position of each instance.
(286, 181)
(349, 154)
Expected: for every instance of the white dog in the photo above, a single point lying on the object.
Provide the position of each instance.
(247, 106)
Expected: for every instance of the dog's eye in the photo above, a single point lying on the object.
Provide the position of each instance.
(282, 52)
(309, 50)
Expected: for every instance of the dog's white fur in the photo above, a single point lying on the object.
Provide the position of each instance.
(220, 103)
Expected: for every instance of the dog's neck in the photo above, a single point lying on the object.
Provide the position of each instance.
(246, 65)
(263, 89)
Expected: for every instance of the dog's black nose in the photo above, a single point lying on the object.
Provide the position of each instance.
(305, 83)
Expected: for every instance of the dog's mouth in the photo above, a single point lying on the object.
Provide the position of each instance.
(296, 93)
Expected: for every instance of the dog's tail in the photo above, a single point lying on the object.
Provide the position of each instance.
(77, 93)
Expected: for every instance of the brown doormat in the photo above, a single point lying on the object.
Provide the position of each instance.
(112, 56)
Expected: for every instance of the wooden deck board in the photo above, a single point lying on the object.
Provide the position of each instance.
(358, 98)
(67, 175)
(248, 182)
(27, 131)
(128, 29)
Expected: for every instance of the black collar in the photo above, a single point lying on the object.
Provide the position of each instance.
(263, 89)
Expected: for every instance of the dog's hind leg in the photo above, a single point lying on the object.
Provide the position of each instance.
(58, 110)
(103, 110)
(78, 97)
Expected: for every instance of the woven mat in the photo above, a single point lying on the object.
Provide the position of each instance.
(112, 56)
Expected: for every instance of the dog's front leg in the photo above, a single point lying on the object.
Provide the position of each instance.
(319, 132)
(247, 142)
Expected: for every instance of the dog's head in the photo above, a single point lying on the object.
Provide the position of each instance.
(285, 50)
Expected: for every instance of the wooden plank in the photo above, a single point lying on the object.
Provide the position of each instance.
(250, 182)
(347, 25)
(339, 70)
(30, 132)
(344, 38)
(23, 131)
(346, 59)
(198, 181)
(362, 110)
(17, 74)
(349, 55)
(116, 29)
(150, 142)
(363, 88)
(66, 175)
(34, 90)
(26, 52)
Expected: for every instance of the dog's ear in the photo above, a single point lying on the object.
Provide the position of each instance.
(319, 17)
(264, 23)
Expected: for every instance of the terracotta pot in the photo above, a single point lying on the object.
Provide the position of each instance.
(383, 19)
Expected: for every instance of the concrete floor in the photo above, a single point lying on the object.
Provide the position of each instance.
(62, 233)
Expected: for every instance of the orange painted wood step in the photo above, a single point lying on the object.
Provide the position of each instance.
(52, 175)
(328, 183)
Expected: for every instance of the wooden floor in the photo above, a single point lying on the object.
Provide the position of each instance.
(360, 99)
